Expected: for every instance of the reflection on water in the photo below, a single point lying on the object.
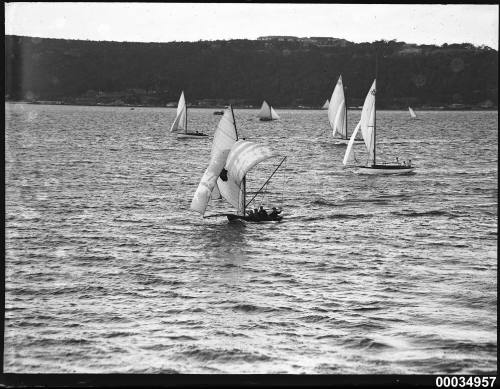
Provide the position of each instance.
(220, 239)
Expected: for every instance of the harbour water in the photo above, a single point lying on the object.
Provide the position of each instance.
(108, 271)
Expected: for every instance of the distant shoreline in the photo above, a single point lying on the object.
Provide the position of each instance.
(425, 108)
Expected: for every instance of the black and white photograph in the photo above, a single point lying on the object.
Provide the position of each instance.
(265, 189)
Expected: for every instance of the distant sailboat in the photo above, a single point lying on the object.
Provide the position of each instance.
(337, 114)
(412, 112)
(267, 112)
(180, 123)
(326, 105)
(368, 127)
(225, 177)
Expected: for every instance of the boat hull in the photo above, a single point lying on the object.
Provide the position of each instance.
(266, 119)
(192, 135)
(345, 141)
(385, 170)
(231, 217)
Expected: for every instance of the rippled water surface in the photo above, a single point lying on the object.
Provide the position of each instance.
(107, 270)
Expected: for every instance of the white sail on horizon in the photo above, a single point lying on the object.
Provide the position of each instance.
(274, 115)
(224, 137)
(337, 111)
(412, 112)
(267, 112)
(326, 105)
(180, 122)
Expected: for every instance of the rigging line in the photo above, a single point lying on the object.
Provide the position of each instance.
(283, 190)
(275, 170)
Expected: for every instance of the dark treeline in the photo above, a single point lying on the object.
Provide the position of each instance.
(245, 72)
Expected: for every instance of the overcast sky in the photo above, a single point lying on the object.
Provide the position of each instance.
(156, 22)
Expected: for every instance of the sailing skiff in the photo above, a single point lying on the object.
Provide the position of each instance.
(337, 115)
(225, 177)
(179, 125)
(368, 127)
(267, 112)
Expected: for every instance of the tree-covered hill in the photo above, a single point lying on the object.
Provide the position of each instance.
(244, 72)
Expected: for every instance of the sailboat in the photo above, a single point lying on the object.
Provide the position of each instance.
(412, 112)
(267, 112)
(337, 114)
(225, 177)
(180, 123)
(368, 127)
(326, 105)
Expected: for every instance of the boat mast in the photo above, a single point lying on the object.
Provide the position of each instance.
(243, 187)
(345, 108)
(375, 109)
(234, 121)
(186, 115)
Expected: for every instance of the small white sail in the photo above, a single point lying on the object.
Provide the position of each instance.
(224, 137)
(180, 122)
(348, 151)
(244, 155)
(367, 121)
(412, 112)
(274, 115)
(326, 105)
(337, 111)
(265, 111)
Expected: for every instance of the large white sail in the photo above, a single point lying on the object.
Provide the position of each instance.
(326, 105)
(265, 111)
(412, 112)
(244, 155)
(367, 121)
(224, 137)
(180, 122)
(337, 110)
(274, 115)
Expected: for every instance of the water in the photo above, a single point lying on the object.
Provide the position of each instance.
(108, 271)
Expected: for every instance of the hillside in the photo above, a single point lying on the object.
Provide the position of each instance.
(285, 72)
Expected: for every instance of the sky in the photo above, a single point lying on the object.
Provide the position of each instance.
(166, 22)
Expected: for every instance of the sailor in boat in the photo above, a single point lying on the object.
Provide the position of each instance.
(274, 213)
(262, 213)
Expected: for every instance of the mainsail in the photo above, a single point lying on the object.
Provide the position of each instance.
(326, 105)
(180, 122)
(367, 126)
(265, 111)
(337, 110)
(367, 122)
(412, 112)
(244, 155)
(224, 137)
